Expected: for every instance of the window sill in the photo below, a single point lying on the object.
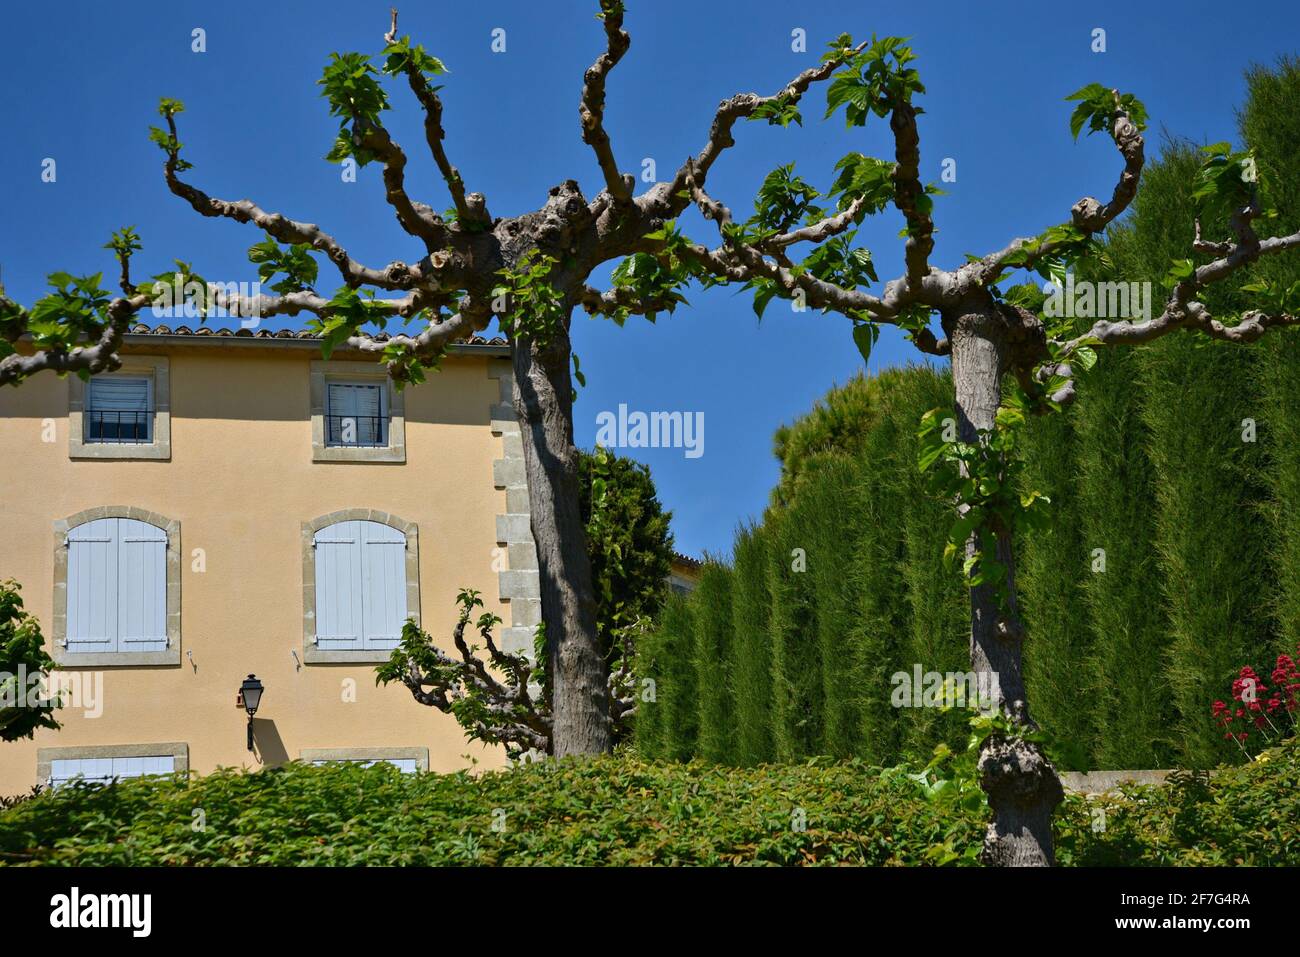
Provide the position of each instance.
(116, 659)
(119, 450)
(318, 656)
(357, 453)
(179, 750)
(419, 755)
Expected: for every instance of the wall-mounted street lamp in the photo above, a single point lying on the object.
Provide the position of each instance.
(250, 694)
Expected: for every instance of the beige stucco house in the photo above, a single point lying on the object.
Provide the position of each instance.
(684, 573)
(229, 503)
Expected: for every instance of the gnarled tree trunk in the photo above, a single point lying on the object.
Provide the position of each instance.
(1022, 786)
(544, 405)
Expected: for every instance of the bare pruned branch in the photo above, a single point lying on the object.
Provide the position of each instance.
(621, 301)
(281, 227)
(100, 356)
(434, 136)
(926, 341)
(738, 107)
(1192, 315)
(1183, 310)
(909, 194)
(733, 262)
(1206, 246)
(591, 108)
(294, 303)
(1088, 215)
(746, 263)
(710, 208)
(822, 230)
(417, 219)
(430, 341)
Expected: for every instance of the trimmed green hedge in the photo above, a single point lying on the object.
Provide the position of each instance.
(626, 811)
(611, 811)
(1242, 816)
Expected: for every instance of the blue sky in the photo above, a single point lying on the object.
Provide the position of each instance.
(82, 81)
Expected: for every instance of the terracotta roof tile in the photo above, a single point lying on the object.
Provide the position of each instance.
(142, 329)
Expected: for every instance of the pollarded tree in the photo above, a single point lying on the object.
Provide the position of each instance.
(1007, 359)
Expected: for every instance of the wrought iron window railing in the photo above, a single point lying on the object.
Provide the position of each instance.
(108, 425)
(362, 431)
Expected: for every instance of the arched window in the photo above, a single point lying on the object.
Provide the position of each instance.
(117, 587)
(360, 586)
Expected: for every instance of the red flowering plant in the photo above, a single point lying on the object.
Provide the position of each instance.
(1260, 715)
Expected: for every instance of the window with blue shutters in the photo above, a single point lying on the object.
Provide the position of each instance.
(117, 587)
(405, 765)
(104, 770)
(360, 586)
(408, 760)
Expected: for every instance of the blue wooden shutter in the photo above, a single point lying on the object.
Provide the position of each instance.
(338, 587)
(92, 586)
(63, 770)
(142, 766)
(383, 562)
(142, 586)
(405, 765)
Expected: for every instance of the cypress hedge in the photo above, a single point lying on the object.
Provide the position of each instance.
(877, 631)
(1116, 507)
(1197, 396)
(1270, 124)
(1134, 625)
(751, 650)
(797, 690)
(1049, 576)
(833, 490)
(668, 726)
(711, 659)
(938, 633)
